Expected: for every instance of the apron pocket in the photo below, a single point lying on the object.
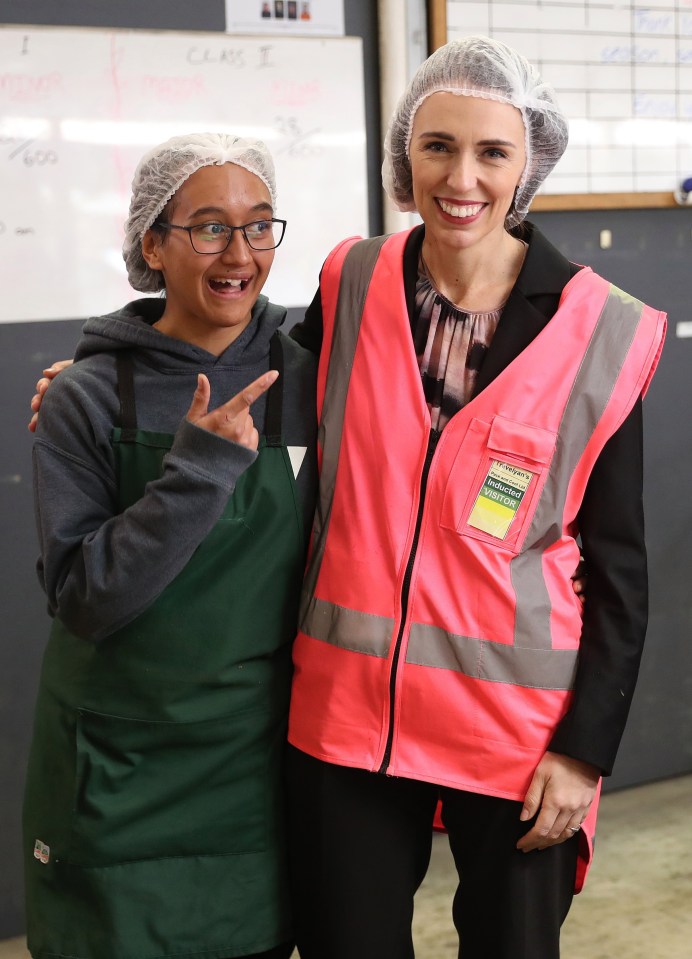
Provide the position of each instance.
(148, 790)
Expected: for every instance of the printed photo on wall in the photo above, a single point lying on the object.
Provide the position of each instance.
(321, 18)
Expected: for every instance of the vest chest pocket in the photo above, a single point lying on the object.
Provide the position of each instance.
(495, 480)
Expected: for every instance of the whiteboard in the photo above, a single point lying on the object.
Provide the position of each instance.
(78, 107)
(623, 77)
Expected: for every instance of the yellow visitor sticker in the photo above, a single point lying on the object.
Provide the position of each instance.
(499, 498)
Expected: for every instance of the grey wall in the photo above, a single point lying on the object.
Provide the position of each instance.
(650, 257)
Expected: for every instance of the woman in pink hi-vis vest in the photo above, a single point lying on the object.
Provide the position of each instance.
(480, 420)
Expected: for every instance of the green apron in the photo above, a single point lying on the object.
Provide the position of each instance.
(153, 818)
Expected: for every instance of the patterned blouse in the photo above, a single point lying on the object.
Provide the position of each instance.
(451, 345)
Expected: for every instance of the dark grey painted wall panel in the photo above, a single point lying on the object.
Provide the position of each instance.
(143, 14)
(651, 258)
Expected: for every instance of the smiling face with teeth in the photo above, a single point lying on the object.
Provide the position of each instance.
(467, 157)
(209, 298)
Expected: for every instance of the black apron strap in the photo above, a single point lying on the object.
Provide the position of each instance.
(274, 412)
(126, 392)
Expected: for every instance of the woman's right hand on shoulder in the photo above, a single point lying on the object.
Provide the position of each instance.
(41, 387)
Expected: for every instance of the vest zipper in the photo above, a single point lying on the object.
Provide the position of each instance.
(433, 439)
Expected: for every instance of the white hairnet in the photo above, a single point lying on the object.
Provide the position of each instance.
(160, 174)
(479, 67)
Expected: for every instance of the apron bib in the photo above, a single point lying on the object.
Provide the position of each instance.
(154, 807)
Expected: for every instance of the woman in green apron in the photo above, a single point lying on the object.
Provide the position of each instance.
(172, 547)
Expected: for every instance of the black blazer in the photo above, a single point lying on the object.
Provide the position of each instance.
(611, 522)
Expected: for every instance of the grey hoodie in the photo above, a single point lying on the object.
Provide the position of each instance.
(99, 568)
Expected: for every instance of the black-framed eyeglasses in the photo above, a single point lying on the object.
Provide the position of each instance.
(215, 237)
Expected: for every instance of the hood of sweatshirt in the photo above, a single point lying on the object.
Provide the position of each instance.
(132, 326)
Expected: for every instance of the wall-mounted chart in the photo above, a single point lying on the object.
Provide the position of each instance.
(79, 107)
(623, 75)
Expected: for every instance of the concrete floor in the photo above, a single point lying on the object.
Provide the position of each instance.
(637, 901)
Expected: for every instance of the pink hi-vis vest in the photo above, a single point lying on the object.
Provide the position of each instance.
(439, 632)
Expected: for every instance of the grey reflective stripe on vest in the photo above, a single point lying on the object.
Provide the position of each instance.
(350, 305)
(589, 396)
(495, 662)
(531, 661)
(349, 628)
(432, 646)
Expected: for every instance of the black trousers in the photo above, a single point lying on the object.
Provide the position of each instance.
(360, 848)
